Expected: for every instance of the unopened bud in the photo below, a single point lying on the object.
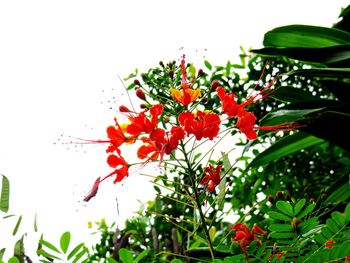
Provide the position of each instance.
(271, 198)
(279, 194)
(200, 72)
(123, 108)
(140, 94)
(143, 106)
(215, 84)
(161, 63)
(144, 77)
(171, 73)
(136, 82)
(287, 197)
(205, 99)
(312, 200)
(166, 119)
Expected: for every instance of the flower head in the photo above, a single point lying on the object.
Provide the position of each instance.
(228, 102)
(245, 236)
(187, 95)
(141, 123)
(200, 124)
(211, 177)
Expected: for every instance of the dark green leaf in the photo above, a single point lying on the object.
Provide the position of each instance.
(2, 252)
(19, 249)
(322, 72)
(332, 225)
(285, 146)
(285, 207)
(282, 235)
(341, 194)
(64, 241)
(338, 218)
(5, 194)
(320, 239)
(305, 36)
(347, 213)
(291, 94)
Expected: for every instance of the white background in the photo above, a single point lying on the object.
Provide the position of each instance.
(60, 59)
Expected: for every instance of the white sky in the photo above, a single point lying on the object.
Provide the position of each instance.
(56, 57)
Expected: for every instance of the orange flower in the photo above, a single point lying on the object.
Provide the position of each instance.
(186, 95)
(245, 236)
(201, 124)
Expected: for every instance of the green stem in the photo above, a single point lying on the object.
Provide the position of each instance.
(198, 203)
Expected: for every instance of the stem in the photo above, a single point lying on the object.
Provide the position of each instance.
(196, 196)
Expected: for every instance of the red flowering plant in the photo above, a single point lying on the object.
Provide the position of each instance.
(180, 126)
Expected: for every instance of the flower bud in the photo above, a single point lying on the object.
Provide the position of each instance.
(123, 108)
(136, 82)
(312, 200)
(215, 84)
(271, 198)
(171, 73)
(287, 197)
(140, 94)
(200, 72)
(279, 194)
(161, 63)
(205, 99)
(143, 106)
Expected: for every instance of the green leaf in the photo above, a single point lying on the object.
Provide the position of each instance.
(341, 194)
(285, 207)
(337, 55)
(285, 146)
(347, 213)
(111, 260)
(176, 260)
(322, 72)
(298, 206)
(49, 245)
(141, 256)
(305, 36)
(80, 255)
(43, 253)
(279, 216)
(307, 210)
(64, 241)
(125, 255)
(14, 260)
(2, 252)
(338, 218)
(282, 235)
(131, 86)
(14, 232)
(75, 250)
(332, 225)
(291, 94)
(320, 239)
(207, 64)
(5, 194)
(35, 223)
(281, 227)
(19, 249)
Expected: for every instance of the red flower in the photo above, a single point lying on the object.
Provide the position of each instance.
(246, 123)
(201, 124)
(211, 177)
(245, 236)
(187, 95)
(159, 143)
(228, 102)
(116, 136)
(329, 244)
(141, 123)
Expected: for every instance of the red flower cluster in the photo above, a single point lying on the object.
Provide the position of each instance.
(245, 236)
(246, 120)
